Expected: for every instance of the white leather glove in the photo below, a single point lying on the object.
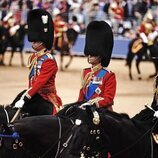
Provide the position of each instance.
(156, 114)
(19, 103)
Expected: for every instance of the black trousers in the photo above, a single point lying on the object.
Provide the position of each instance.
(38, 106)
(35, 106)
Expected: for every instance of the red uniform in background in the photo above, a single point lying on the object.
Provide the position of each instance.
(105, 92)
(43, 69)
(116, 11)
(60, 28)
(147, 27)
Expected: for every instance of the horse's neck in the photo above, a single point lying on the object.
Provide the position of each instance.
(46, 130)
(123, 135)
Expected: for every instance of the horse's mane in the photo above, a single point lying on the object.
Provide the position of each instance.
(73, 111)
(68, 108)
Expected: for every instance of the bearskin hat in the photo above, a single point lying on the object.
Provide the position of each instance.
(99, 41)
(40, 27)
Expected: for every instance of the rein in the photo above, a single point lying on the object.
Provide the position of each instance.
(7, 115)
(59, 140)
(16, 115)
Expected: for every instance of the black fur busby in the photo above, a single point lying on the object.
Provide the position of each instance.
(99, 41)
(40, 27)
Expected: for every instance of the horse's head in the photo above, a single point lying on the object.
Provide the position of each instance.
(6, 114)
(86, 131)
(10, 144)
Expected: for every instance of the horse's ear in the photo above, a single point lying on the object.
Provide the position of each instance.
(90, 109)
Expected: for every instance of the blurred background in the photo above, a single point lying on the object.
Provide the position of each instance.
(127, 19)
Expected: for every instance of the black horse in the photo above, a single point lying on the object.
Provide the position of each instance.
(121, 136)
(47, 136)
(72, 134)
(139, 49)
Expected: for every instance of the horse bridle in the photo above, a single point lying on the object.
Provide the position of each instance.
(94, 132)
(94, 138)
(16, 115)
(7, 115)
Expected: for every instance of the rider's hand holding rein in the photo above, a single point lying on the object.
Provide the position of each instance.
(20, 103)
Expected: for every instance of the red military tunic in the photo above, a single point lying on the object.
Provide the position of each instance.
(147, 27)
(43, 69)
(105, 92)
(60, 27)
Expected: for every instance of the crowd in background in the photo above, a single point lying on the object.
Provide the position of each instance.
(120, 14)
(128, 18)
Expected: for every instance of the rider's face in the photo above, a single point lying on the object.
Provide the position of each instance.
(37, 46)
(94, 60)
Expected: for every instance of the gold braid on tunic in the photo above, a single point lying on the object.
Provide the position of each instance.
(33, 63)
(89, 76)
(86, 81)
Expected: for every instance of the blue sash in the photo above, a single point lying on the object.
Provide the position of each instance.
(39, 62)
(92, 87)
